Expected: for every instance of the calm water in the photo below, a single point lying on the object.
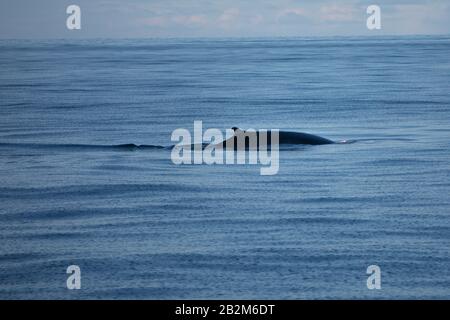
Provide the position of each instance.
(142, 227)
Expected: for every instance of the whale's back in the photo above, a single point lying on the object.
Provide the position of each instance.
(284, 137)
(287, 137)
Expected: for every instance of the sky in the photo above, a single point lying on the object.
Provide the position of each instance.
(220, 18)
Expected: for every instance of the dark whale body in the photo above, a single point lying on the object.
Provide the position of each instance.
(288, 137)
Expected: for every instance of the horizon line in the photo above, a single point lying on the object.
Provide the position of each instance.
(227, 37)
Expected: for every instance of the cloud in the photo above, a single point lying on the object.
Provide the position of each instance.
(178, 20)
(257, 19)
(198, 18)
(287, 12)
(229, 17)
(415, 18)
(338, 13)
(155, 21)
(192, 20)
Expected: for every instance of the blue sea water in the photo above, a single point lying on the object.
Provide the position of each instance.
(141, 227)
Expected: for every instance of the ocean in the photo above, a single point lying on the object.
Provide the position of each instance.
(141, 227)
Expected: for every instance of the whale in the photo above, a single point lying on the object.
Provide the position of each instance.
(284, 138)
(288, 137)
